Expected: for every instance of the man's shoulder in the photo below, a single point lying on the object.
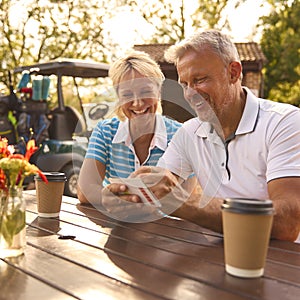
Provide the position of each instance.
(190, 127)
(192, 123)
(279, 108)
(278, 116)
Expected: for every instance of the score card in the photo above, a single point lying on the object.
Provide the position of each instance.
(138, 187)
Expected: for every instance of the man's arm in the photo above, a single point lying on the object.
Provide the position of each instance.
(187, 205)
(285, 194)
(209, 217)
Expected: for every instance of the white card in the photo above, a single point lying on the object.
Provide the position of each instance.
(137, 187)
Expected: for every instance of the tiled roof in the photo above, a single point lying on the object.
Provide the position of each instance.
(249, 52)
(156, 51)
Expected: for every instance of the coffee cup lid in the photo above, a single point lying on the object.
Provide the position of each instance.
(52, 176)
(248, 206)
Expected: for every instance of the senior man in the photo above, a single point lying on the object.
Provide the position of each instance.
(237, 146)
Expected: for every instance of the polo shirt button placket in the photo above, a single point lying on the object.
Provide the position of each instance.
(137, 164)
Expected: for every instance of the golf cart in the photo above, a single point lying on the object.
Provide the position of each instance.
(61, 131)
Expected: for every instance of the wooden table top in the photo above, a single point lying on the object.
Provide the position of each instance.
(83, 254)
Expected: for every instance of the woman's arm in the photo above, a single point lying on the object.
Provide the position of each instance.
(90, 179)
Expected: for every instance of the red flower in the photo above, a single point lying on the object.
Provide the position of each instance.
(2, 180)
(15, 167)
(18, 156)
(43, 177)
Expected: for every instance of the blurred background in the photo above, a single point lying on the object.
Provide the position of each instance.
(34, 31)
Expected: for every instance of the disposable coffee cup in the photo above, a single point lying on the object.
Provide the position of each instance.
(49, 195)
(247, 227)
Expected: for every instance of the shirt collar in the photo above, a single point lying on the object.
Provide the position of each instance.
(204, 129)
(122, 134)
(250, 114)
(247, 122)
(160, 135)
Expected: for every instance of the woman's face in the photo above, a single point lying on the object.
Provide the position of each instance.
(138, 95)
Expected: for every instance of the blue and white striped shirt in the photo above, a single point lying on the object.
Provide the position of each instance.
(110, 143)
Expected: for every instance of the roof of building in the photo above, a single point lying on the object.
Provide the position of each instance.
(248, 52)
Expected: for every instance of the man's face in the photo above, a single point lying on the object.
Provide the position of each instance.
(206, 83)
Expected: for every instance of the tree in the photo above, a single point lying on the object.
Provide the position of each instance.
(170, 18)
(210, 13)
(166, 17)
(281, 45)
(50, 29)
(47, 30)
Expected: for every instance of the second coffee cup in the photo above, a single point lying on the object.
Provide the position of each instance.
(247, 227)
(49, 195)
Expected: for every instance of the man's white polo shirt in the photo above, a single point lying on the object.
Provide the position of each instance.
(266, 145)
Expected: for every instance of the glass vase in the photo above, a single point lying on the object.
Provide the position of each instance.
(12, 222)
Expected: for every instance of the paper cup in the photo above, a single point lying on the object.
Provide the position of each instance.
(49, 195)
(247, 227)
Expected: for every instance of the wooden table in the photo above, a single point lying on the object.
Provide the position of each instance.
(86, 255)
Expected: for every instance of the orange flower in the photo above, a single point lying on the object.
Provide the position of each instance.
(30, 149)
(5, 151)
(15, 167)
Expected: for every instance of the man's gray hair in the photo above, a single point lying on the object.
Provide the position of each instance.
(215, 40)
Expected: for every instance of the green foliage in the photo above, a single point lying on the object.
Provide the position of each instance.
(286, 92)
(12, 224)
(281, 45)
(170, 20)
(12, 214)
(34, 31)
(209, 14)
(167, 19)
(47, 30)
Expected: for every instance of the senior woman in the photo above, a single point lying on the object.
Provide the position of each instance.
(138, 136)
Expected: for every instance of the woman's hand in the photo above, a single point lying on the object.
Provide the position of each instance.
(121, 205)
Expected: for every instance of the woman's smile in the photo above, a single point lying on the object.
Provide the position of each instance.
(140, 112)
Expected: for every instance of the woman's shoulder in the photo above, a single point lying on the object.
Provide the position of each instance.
(107, 126)
(112, 122)
(171, 122)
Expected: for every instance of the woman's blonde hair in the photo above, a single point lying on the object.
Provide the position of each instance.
(140, 62)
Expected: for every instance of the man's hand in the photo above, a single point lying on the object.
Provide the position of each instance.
(160, 181)
(165, 186)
